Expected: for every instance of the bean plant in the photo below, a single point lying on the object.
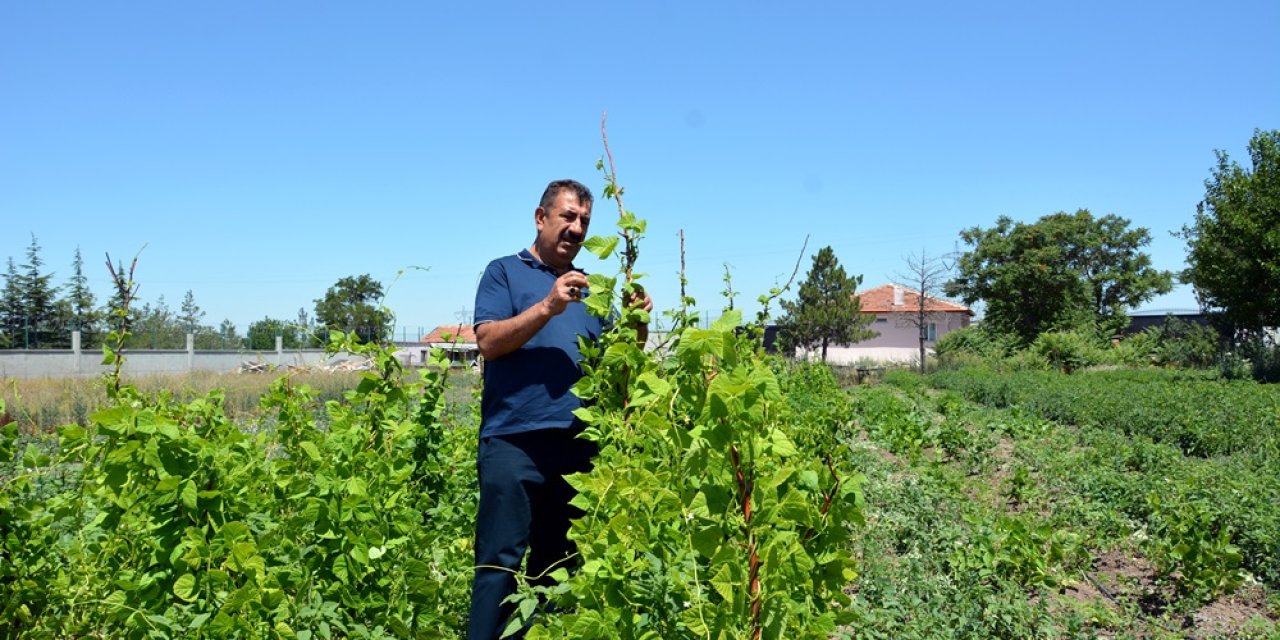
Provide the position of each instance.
(714, 510)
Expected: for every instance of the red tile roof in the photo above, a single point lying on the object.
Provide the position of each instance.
(880, 300)
(456, 332)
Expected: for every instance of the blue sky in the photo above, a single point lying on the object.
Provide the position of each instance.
(261, 151)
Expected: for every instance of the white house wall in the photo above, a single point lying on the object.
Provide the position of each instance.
(857, 355)
(897, 330)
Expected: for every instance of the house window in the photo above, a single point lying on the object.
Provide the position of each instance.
(882, 319)
(933, 332)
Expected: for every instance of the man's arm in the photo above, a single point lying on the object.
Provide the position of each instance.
(497, 338)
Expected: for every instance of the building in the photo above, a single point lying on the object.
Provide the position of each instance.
(897, 309)
(1146, 318)
(458, 342)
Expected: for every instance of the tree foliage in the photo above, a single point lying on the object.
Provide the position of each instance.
(353, 304)
(1063, 271)
(262, 334)
(38, 298)
(11, 308)
(78, 309)
(1233, 246)
(826, 310)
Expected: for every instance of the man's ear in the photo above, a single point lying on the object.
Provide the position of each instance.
(539, 216)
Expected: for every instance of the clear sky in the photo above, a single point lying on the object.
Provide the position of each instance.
(263, 150)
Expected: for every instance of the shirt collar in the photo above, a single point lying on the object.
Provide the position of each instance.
(529, 259)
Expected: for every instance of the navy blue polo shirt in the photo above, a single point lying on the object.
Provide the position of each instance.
(531, 387)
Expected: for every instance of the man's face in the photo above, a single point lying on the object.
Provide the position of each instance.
(561, 229)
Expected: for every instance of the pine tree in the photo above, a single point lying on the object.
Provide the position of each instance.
(190, 313)
(827, 310)
(227, 332)
(81, 311)
(11, 315)
(37, 297)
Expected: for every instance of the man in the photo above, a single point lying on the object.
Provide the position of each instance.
(527, 322)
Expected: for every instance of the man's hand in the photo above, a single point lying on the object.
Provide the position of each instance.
(640, 300)
(568, 288)
(500, 337)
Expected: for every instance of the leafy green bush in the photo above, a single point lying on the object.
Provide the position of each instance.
(1068, 350)
(166, 519)
(971, 344)
(1189, 546)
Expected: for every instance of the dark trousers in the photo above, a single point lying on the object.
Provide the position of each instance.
(524, 503)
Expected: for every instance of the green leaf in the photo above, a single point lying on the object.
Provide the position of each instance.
(116, 600)
(311, 450)
(185, 587)
(728, 321)
(188, 494)
(724, 584)
(198, 621)
(340, 569)
(601, 246)
(782, 446)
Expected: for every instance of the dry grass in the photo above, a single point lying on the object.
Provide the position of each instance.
(40, 405)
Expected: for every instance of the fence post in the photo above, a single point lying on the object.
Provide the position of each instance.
(279, 350)
(75, 350)
(191, 352)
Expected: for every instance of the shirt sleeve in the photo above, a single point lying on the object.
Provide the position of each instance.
(493, 296)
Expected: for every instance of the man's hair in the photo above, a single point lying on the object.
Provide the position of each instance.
(553, 190)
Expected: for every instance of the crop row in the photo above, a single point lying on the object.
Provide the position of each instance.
(1194, 461)
(1201, 417)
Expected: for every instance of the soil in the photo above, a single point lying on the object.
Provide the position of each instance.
(1123, 580)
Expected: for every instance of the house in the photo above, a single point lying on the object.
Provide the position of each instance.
(1142, 319)
(897, 309)
(457, 340)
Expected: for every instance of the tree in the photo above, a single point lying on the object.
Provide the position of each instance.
(38, 296)
(228, 338)
(11, 308)
(79, 308)
(157, 327)
(352, 304)
(926, 276)
(1233, 246)
(262, 334)
(190, 314)
(826, 310)
(1064, 271)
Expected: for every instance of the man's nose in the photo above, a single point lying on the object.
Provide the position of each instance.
(578, 227)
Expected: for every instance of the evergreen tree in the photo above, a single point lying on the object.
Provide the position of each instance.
(827, 310)
(227, 335)
(11, 316)
(79, 308)
(190, 313)
(37, 298)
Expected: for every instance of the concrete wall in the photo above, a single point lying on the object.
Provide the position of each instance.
(61, 363)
